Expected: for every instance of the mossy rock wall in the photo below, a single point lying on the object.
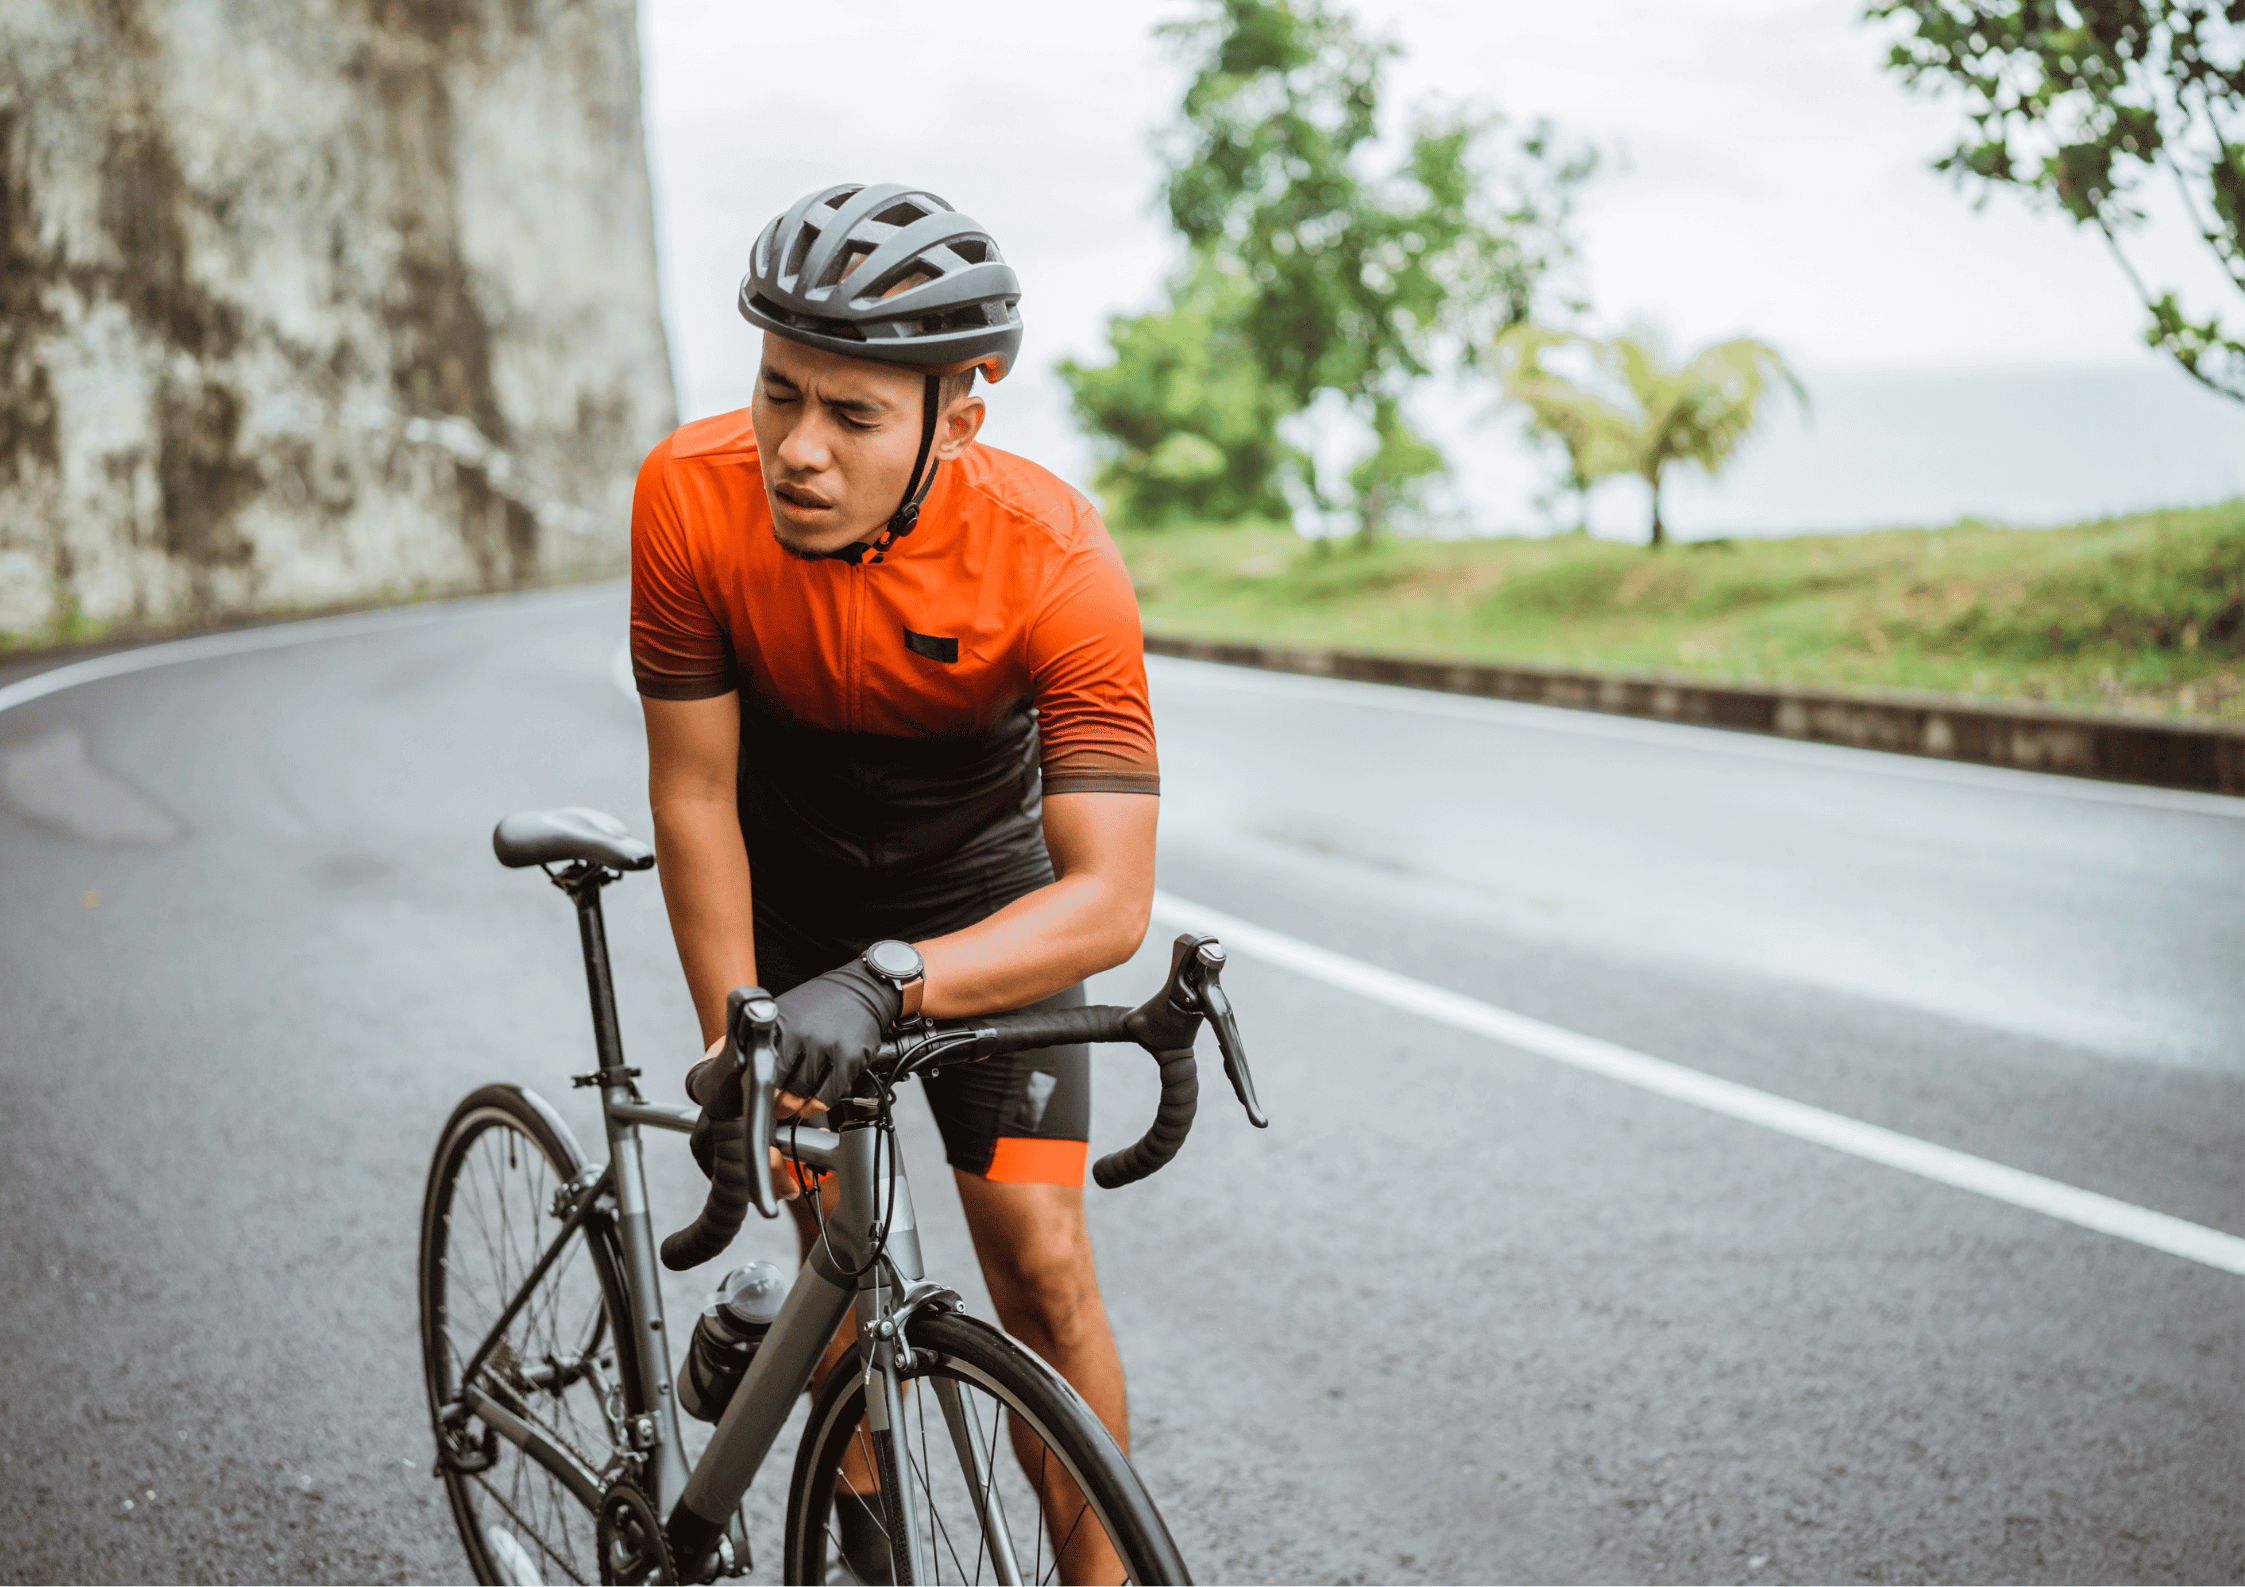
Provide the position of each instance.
(304, 304)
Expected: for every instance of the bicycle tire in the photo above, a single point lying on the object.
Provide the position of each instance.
(993, 1374)
(487, 1216)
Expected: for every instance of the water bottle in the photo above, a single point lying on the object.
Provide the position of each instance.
(733, 1323)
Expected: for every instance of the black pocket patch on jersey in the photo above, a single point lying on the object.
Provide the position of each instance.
(931, 647)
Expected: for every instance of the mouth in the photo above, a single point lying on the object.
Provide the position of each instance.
(805, 502)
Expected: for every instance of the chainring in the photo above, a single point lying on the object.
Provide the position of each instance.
(633, 1549)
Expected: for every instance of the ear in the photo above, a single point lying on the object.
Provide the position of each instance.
(957, 426)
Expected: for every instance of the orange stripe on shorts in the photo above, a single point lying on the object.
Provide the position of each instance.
(1022, 1160)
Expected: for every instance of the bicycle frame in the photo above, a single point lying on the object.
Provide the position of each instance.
(872, 1183)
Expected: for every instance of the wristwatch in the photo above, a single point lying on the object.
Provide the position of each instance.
(899, 964)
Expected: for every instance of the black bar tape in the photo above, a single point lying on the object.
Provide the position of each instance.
(1055, 1027)
(721, 1216)
(1173, 1121)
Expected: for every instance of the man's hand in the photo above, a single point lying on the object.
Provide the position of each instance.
(830, 1027)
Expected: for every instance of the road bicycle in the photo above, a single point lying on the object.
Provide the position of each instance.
(549, 1365)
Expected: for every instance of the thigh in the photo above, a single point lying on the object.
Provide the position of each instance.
(1021, 1119)
(1029, 1238)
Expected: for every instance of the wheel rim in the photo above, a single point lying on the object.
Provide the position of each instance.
(491, 1218)
(1043, 1518)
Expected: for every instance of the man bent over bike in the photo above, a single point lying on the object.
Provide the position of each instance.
(900, 753)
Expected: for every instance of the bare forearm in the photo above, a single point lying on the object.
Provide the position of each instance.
(1089, 920)
(704, 868)
(1030, 949)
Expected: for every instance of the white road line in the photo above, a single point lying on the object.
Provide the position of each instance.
(1941, 1164)
(241, 641)
(1843, 758)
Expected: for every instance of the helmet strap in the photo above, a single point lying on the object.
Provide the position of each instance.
(907, 515)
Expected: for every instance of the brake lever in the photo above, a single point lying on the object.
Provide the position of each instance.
(1208, 990)
(752, 1022)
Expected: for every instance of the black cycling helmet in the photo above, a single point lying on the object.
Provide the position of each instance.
(893, 274)
(890, 273)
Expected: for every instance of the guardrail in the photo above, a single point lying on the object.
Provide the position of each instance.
(2206, 756)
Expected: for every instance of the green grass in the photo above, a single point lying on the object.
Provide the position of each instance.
(2144, 614)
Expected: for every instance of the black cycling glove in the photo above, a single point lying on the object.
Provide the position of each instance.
(830, 1027)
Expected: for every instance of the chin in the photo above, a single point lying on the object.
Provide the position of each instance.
(811, 544)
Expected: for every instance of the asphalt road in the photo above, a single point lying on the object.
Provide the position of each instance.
(1460, 1314)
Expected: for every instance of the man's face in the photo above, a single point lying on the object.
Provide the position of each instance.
(837, 436)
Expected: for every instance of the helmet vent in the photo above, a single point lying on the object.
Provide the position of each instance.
(901, 215)
(852, 255)
(805, 236)
(971, 250)
(970, 318)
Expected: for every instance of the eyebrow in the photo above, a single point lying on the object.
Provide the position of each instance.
(860, 405)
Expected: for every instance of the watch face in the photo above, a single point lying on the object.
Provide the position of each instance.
(899, 961)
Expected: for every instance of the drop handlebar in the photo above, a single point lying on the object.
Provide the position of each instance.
(1165, 1025)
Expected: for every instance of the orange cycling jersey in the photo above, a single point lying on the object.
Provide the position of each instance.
(895, 714)
(1007, 592)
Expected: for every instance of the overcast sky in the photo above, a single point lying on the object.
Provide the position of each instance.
(1765, 176)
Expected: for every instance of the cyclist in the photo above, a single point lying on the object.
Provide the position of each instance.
(900, 753)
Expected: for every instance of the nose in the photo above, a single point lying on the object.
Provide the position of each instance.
(804, 449)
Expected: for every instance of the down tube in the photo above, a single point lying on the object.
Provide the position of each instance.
(815, 1307)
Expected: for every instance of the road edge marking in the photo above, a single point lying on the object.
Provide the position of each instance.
(1702, 739)
(244, 641)
(1874, 1143)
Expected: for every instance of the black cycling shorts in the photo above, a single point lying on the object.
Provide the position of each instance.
(1023, 1118)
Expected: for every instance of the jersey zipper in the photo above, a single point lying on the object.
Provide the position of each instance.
(853, 647)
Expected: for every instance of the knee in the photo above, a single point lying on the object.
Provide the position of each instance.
(1048, 1293)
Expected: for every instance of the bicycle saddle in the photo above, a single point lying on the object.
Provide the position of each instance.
(542, 837)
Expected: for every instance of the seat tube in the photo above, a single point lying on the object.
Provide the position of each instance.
(646, 1353)
(649, 1347)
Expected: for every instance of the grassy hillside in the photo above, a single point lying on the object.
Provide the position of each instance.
(2143, 614)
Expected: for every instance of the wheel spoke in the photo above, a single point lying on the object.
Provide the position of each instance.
(936, 1529)
(525, 1529)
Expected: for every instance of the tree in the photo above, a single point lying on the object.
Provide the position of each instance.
(1639, 411)
(1343, 277)
(2078, 102)
(1591, 431)
(1185, 424)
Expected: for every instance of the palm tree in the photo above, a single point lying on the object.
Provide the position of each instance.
(1593, 433)
(1641, 411)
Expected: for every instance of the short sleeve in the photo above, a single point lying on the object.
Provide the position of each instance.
(1087, 666)
(678, 648)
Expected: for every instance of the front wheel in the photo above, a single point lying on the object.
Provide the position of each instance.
(1061, 1504)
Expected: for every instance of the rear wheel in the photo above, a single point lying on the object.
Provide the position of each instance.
(525, 1471)
(1009, 1475)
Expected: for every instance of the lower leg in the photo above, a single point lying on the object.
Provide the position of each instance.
(1036, 1257)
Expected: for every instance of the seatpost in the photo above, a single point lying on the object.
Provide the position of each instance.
(583, 882)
